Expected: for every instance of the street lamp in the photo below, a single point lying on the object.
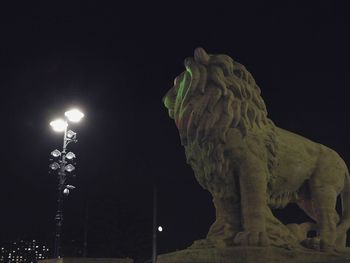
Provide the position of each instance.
(156, 228)
(61, 166)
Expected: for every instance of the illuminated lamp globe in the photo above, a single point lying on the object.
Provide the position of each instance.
(59, 125)
(71, 134)
(54, 166)
(69, 168)
(74, 115)
(56, 153)
(160, 228)
(70, 156)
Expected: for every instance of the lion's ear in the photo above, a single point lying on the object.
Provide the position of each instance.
(201, 56)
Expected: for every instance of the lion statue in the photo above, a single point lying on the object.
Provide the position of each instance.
(251, 166)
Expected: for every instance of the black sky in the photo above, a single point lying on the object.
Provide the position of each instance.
(116, 60)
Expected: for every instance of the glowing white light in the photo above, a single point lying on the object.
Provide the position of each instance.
(160, 228)
(59, 125)
(56, 153)
(54, 166)
(74, 115)
(71, 134)
(70, 156)
(69, 168)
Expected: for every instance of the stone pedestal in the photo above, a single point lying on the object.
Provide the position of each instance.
(252, 255)
(87, 260)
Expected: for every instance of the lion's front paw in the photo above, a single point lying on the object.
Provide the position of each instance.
(316, 244)
(251, 238)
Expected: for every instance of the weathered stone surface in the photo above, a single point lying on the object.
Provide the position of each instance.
(251, 166)
(87, 260)
(252, 255)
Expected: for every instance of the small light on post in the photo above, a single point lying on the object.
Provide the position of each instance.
(71, 134)
(54, 166)
(70, 156)
(160, 229)
(56, 153)
(70, 168)
(66, 191)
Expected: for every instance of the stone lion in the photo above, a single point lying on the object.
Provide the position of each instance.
(249, 165)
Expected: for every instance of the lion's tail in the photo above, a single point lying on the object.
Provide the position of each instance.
(344, 223)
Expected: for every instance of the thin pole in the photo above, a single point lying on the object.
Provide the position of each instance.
(61, 184)
(59, 223)
(86, 230)
(154, 247)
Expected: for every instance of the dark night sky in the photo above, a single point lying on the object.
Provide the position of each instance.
(116, 61)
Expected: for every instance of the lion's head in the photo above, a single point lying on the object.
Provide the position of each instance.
(213, 94)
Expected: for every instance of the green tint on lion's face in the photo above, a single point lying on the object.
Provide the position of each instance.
(169, 102)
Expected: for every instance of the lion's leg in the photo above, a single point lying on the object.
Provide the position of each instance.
(252, 181)
(227, 223)
(341, 241)
(324, 200)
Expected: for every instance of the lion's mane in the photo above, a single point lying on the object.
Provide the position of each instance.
(215, 94)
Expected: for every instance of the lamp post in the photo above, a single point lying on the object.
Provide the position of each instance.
(61, 165)
(156, 227)
(154, 234)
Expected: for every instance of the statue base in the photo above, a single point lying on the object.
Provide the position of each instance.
(86, 260)
(252, 255)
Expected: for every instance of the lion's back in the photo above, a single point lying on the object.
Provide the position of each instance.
(297, 159)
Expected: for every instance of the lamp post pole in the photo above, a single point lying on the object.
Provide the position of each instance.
(154, 236)
(61, 187)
